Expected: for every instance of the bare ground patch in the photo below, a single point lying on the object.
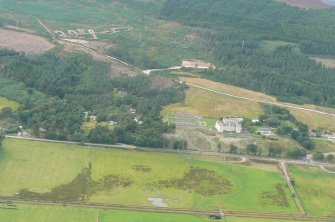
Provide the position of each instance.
(161, 82)
(314, 4)
(23, 42)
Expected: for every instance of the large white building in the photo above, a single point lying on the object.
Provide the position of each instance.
(229, 125)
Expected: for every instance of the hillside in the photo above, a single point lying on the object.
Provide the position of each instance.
(236, 30)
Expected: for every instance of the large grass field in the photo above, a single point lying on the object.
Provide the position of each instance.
(211, 104)
(34, 213)
(181, 185)
(316, 189)
(38, 213)
(38, 166)
(8, 103)
(50, 170)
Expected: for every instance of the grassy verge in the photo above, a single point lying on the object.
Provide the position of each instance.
(36, 213)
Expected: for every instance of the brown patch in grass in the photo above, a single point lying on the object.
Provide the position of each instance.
(110, 182)
(199, 180)
(74, 191)
(277, 198)
(23, 42)
(79, 189)
(141, 168)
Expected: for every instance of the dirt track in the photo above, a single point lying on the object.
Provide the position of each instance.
(23, 42)
(315, 4)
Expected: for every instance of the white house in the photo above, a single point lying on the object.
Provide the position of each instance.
(229, 125)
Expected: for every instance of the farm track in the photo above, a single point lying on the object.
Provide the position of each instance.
(234, 213)
(292, 189)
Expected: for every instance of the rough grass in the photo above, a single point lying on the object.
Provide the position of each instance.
(126, 216)
(316, 189)
(38, 166)
(204, 103)
(210, 104)
(8, 103)
(27, 213)
(324, 146)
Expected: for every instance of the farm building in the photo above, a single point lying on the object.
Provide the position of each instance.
(197, 64)
(229, 124)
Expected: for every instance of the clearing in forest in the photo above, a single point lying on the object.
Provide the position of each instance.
(23, 42)
(8, 103)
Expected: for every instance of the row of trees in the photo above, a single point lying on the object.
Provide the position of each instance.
(237, 36)
(273, 151)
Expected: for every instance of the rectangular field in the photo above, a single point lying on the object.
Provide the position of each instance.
(38, 166)
(38, 213)
(316, 189)
(57, 171)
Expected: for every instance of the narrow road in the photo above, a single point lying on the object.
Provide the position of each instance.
(165, 150)
(292, 189)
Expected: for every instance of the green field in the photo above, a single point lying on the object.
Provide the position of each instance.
(57, 171)
(126, 216)
(38, 166)
(8, 103)
(34, 213)
(39, 213)
(316, 189)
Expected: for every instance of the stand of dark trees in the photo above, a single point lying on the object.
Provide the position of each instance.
(75, 83)
(236, 31)
(279, 117)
